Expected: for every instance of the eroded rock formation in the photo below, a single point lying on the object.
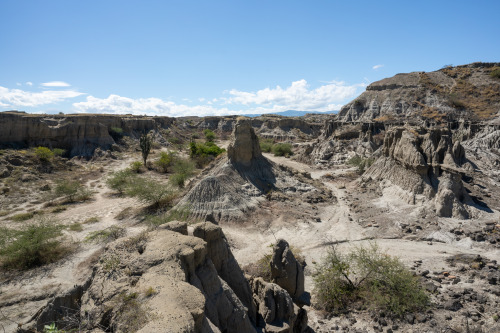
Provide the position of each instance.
(427, 166)
(286, 271)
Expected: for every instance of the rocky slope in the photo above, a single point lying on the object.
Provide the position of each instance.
(237, 184)
(467, 92)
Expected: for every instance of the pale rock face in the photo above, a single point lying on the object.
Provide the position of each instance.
(244, 147)
(189, 294)
(224, 262)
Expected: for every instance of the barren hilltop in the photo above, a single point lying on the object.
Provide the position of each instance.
(382, 218)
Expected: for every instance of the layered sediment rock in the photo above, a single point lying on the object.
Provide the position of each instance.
(286, 271)
(427, 166)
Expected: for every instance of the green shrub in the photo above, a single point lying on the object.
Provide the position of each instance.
(164, 161)
(44, 153)
(495, 73)
(22, 216)
(58, 151)
(136, 166)
(209, 135)
(33, 245)
(266, 145)
(360, 162)
(119, 180)
(174, 140)
(105, 235)
(282, 149)
(67, 188)
(183, 169)
(150, 192)
(207, 148)
(369, 277)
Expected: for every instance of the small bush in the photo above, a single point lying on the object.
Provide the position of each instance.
(119, 180)
(33, 245)
(58, 152)
(183, 170)
(22, 216)
(44, 153)
(367, 276)
(58, 209)
(75, 227)
(207, 148)
(150, 292)
(105, 235)
(360, 162)
(209, 135)
(136, 166)
(130, 313)
(165, 161)
(73, 190)
(91, 220)
(266, 145)
(282, 149)
(150, 192)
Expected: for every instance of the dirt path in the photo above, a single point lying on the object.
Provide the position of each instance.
(339, 224)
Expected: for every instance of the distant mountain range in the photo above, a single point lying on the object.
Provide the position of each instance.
(292, 113)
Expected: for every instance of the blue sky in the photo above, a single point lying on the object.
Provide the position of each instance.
(185, 57)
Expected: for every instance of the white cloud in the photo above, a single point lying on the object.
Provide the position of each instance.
(56, 84)
(29, 83)
(18, 97)
(377, 67)
(297, 96)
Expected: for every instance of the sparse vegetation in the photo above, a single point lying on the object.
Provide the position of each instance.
(495, 73)
(282, 149)
(33, 245)
(360, 162)
(266, 145)
(58, 152)
(369, 277)
(150, 192)
(110, 263)
(136, 166)
(119, 180)
(150, 292)
(209, 135)
(165, 161)
(44, 154)
(91, 220)
(183, 169)
(22, 216)
(105, 235)
(131, 314)
(75, 227)
(145, 142)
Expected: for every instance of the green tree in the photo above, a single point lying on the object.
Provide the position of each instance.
(146, 142)
(44, 153)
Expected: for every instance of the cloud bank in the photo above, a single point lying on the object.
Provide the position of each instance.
(297, 96)
(18, 97)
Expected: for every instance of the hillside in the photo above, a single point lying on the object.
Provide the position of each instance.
(470, 92)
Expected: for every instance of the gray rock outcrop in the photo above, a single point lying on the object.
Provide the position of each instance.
(171, 283)
(426, 165)
(224, 262)
(286, 271)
